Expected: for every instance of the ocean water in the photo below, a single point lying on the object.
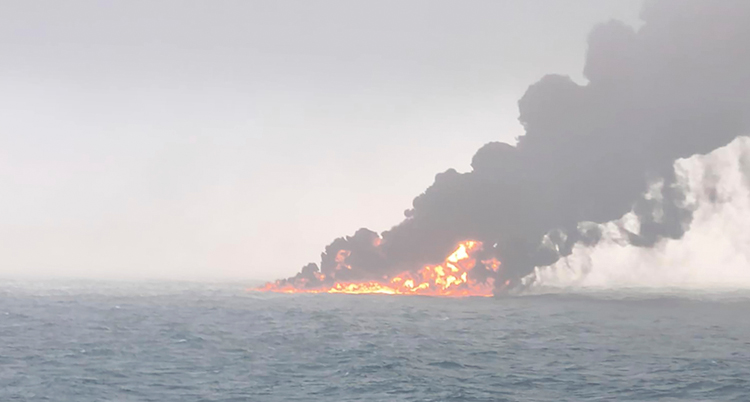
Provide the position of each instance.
(99, 341)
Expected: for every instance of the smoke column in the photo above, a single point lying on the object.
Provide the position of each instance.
(679, 86)
(714, 253)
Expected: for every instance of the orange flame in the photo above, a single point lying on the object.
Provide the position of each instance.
(450, 279)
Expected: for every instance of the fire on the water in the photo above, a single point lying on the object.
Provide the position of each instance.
(450, 279)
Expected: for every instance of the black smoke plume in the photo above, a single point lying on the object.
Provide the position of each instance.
(678, 86)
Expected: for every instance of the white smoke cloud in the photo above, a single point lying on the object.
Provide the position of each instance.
(713, 254)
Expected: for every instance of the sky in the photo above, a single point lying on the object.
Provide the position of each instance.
(234, 140)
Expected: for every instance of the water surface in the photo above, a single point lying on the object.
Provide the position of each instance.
(106, 341)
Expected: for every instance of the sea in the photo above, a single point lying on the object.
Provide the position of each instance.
(78, 341)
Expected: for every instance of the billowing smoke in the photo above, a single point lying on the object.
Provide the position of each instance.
(713, 253)
(676, 87)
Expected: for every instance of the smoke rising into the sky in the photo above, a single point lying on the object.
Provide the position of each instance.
(676, 87)
(714, 252)
(233, 139)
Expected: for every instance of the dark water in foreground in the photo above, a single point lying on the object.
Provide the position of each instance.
(177, 342)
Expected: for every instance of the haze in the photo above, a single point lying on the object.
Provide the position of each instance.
(216, 140)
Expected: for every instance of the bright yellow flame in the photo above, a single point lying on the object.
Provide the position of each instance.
(448, 279)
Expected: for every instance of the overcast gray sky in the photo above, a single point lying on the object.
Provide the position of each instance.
(235, 139)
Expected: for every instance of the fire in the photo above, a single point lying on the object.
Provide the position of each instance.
(341, 257)
(449, 279)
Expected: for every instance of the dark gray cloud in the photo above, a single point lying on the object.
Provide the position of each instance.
(678, 86)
